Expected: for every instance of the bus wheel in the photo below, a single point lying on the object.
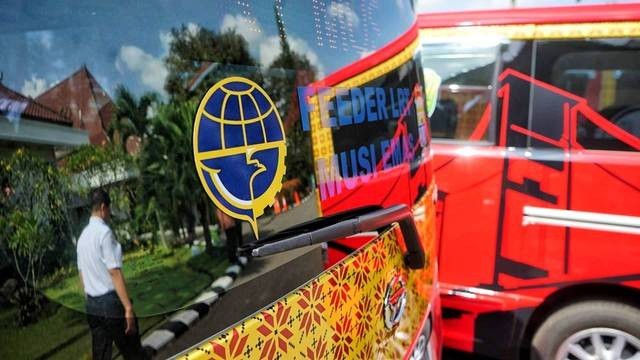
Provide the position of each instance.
(589, 330)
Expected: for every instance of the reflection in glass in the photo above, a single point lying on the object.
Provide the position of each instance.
(467, 70)
(104, 96)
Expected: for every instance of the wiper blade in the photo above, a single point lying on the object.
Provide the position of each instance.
(361, 221)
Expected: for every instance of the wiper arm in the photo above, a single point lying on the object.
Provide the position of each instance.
(373, 220)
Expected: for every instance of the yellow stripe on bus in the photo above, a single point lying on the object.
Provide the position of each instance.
(539, 31)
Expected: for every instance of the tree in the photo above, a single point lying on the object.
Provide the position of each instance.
(288, 71)
(192, 52)
(130, 116)
(34, 225)
(131, 119)
(167, 169)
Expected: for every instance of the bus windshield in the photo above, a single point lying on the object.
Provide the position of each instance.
(106, 116)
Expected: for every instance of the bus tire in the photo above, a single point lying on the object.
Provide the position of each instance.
(595, 327)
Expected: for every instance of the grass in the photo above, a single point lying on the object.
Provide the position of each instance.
(35, 340)
(158, 283)
(62, 335)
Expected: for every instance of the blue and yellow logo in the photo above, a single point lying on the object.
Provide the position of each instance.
(239, 148)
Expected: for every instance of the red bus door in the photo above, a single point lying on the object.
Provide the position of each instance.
(536, 172)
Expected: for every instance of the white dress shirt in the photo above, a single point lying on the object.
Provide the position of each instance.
(98, 252)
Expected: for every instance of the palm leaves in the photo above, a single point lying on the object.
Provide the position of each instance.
(167, 158)
(131, 115)
(168, 177)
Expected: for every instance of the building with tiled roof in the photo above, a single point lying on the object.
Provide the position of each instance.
(26, 123)
(81, 99)
(13, 103)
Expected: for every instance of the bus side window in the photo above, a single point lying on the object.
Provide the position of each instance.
(606, 73)
(516, 58)
(467, 70)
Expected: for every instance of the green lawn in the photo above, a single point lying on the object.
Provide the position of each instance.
(158, 283)
(63, 335)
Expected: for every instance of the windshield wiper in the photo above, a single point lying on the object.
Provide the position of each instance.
(343, 225)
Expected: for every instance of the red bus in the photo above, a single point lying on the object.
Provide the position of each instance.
(232, 141)
(537, 159)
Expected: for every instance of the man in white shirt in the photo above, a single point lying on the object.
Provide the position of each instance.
(109, 309)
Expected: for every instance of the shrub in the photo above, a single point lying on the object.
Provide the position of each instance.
(8, 289)
(30, 304)
(34, 227)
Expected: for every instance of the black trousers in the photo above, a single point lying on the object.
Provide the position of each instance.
(234, 240)
(105, 314)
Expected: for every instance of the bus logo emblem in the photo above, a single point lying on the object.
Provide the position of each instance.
(395, 300)
(239, 148)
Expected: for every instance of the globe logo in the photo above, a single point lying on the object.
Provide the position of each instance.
(239, 148)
